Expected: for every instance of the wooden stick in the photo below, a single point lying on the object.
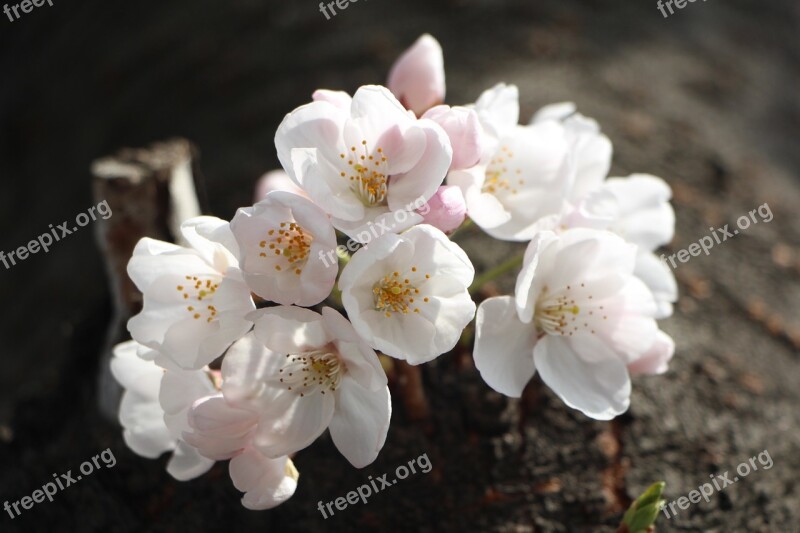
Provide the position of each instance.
(150, 192)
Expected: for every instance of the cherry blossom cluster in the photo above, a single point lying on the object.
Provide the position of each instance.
(249, 346)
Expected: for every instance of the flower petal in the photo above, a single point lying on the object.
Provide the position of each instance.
(600, 389)
(503, 350)
(360, 422)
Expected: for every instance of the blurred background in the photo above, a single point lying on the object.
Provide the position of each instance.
(707, 99)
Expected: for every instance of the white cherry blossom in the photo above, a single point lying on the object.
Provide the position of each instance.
(525, 172)
(365, 162)
(279, 240)
(579, 317)
(297, 374)
(195, 300)
(407, 294)
(148, 429)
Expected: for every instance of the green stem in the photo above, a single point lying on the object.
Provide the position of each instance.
(494, 273)
(344, 257)
(466, 225)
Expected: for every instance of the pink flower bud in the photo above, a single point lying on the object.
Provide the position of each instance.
(465, 132)
(446, 210)
(277, 180)
(417, 77)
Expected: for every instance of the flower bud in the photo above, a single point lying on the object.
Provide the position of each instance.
(417, 77)
(446, 210)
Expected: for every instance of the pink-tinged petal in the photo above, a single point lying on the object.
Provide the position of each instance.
(446, 210)
(266, 482)
(360, 422)
(219, 431)
(186, 463)
(339, 99)
(179, 390)
(292, 422)
(464, 130)
(280, 239)
(276, 180)
(247, 366)
(417, 77)
(361, 361)
(656, 360)
(600, 389)
(504, 346)
(421, 182)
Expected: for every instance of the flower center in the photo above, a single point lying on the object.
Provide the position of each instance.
(199, 292)
(309, 372)
(368, 173)
(397, 294)
(289, 244)
(498, 177)
(559, 314)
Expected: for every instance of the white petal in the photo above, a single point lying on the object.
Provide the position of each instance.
(600, 389)
(186, 463)
(143, 420)
(293, 422)
(362, 362)
(248, 364)
(360, 422)
(659, 279)
(656, 359)
(340, 99)
(266, 482)
(219, 431)
(504, 346)
(317, 125)
(289, 329)
(559, 112)
(423, 180)
(498, 109)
